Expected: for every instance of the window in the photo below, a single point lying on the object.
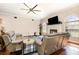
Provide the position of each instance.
(72, 25)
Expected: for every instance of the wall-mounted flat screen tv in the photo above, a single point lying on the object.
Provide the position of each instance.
(53, 20)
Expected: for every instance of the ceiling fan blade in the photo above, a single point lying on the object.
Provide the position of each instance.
(33, 12)
(26, 5)
(28, 12)
(37, 10)
(24, 9)
(34, 7)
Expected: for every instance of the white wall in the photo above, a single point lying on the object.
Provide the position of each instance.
(22, 25)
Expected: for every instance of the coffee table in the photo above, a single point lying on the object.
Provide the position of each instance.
(28, 42)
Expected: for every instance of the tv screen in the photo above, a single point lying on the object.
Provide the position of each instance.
(53, 20)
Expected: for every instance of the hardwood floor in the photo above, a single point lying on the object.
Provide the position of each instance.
(4, 52)
(69, 49)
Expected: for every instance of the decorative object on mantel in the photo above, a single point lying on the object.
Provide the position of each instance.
(30, 9)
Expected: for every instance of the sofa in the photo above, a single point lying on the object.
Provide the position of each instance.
(52, 43)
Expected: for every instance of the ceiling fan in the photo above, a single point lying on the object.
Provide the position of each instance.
(31, 9)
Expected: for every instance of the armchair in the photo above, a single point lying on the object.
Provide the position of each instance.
(12, 46)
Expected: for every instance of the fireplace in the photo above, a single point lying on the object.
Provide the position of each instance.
(52, 31)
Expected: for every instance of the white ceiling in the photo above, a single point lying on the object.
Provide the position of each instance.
(39, 1)
(46, 9)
